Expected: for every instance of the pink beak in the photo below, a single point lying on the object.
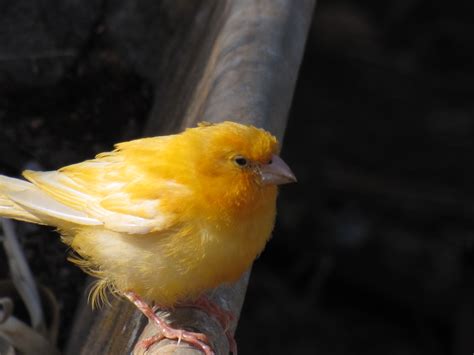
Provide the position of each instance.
(277, 172)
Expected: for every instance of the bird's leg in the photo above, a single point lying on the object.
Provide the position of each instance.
(197, 340)
(224, 317)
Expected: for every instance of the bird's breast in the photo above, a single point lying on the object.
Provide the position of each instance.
(179, 263)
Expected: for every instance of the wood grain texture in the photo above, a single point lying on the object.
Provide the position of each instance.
(237, 60)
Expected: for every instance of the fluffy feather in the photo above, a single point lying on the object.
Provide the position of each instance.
(167, 217)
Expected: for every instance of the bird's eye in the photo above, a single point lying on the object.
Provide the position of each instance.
(240, 161)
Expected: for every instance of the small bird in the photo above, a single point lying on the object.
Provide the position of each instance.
(161, 220)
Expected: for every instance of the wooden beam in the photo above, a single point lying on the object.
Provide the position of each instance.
(238, 60)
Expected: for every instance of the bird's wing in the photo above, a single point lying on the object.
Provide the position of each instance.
(24, 201)
(111, 191)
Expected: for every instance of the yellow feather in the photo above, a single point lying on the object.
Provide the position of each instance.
(167, 217)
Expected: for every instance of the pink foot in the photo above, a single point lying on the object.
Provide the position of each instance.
(224, 317)
(198, 340)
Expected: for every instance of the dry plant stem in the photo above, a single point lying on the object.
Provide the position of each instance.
(198, 340)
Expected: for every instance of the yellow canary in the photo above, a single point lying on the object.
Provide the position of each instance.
(166, 218)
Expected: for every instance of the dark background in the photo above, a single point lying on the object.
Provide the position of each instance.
(373, 248)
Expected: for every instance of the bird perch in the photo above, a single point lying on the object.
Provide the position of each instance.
(237, 60)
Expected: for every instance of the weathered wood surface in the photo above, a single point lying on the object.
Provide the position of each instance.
(237, 60)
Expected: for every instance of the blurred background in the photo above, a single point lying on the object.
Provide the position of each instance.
(373, 248)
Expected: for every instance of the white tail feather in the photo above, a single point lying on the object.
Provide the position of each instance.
(24, 201)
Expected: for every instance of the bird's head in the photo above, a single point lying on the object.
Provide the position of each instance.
(242, 156)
